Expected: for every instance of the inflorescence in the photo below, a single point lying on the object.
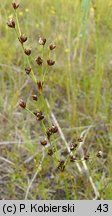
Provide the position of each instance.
(39, 115)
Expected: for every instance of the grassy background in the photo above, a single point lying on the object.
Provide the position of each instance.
(78, 89)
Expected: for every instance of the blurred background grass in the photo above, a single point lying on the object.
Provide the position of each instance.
(78, 89)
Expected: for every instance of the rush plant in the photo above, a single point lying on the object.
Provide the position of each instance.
(50, 128)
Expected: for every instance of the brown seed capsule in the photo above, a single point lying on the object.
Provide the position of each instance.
(72, 158)
(49, 133)
(100, 154)
(50, 152)
(52, 46)
(34, 97)
(22, 38)
(73, 146)
(86, 157)
(11, 23)
(22, 103)
(80, 139)
(39, 115)
(39, 60)
(54, 129)
(27, 51)
(28, 70)
(40, 86)
(42, 41)
(61, 165)
(40, 118)
(43, 142)
(50, 62)
(15, 5)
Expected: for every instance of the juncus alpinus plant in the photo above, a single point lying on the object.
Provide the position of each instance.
(43, 114)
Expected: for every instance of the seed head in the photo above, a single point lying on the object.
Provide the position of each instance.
(50, 62)
(80, 139)
(49, 133)
(72, 158)
(43, 142)
(86, 157)
(22, 103)
(34, 97)
(50, 152)
(11, 23)
(39, 60)
(28, 70)
(39, 115)
(61, 165)
(22, 38)
(27, 51)
(100, 154)
(15, 5)
(73, 146)
(54, 129)
(52, 46)
(42, 41)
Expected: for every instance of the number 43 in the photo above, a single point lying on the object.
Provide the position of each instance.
(103, 208)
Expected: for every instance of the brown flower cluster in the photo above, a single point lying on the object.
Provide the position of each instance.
(42, 41)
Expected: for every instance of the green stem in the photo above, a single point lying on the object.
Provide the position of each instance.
(17, 21)
(30, 111)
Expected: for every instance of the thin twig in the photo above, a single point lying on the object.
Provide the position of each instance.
(6, 160)
(16, 142)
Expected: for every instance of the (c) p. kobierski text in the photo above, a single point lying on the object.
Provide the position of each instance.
(33, 208)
